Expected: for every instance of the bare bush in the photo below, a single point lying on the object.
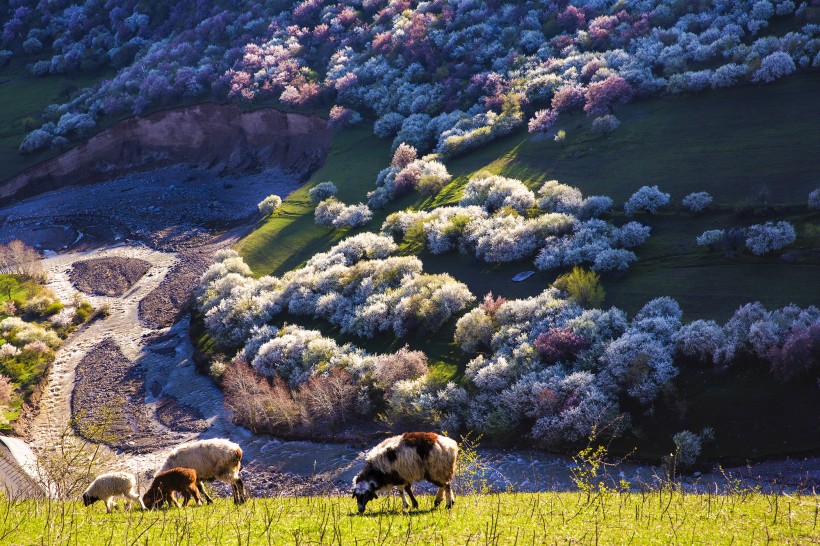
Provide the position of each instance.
(329, 399)
(20, 259)
(401, 365)
(6, 390)
(256, 403)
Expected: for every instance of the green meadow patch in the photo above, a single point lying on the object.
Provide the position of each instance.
(543, 518)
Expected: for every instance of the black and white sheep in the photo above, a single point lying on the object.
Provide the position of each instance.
(107, 486)
(215, 459)
(401, 460)
(181, 480)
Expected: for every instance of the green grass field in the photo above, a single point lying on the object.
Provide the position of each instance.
(546, 518)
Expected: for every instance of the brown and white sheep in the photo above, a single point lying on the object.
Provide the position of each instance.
(214, 459)
(401, 460)
(107, 486)
(181, 480)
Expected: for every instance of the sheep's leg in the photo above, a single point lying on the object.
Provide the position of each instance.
(412, 498)
(240, 488)
(404, 502)
(186, 496)
(192, 490)
(201, 488)
(110, 504)
(450, 497)
(439, 496)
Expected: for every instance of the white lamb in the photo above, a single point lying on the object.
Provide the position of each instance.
(107, 486)
(215, 459)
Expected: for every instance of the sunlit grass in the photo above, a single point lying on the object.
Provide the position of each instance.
(545, 518)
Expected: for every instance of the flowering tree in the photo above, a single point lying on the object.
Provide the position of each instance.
(605, 124)
(697, 202)
(332, 212)
(814, 199)
(648, 199)
(601, 96)
(769, 237)
(269, 204)
(773, 67)
(322, 191)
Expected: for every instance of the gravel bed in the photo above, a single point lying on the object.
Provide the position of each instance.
(111, 276)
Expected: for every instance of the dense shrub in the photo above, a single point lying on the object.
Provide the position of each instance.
(583, 287)
(798, 354)
(605, 124)
(332, 212)
(269, 204)
(322, 191)
(647, 199)
(774, 66)
(814, 199)
(769, 237)
(697, 202)
(474, 331)
(559, 344)
(493, 192)
(399, 366)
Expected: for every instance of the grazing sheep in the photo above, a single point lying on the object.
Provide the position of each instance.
(215, 459)
(401, 460)
(107, 486)
(165, 483)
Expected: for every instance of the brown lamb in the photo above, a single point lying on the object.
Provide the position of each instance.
(181, 480)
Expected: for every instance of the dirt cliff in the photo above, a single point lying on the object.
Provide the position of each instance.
(212, 136)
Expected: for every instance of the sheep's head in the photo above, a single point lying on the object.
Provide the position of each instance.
(152, 498)
(89, 499)
(364, 490)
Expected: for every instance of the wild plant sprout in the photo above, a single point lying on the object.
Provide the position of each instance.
(269, 204)
(647, 199)
(698, 201)
(322, 191)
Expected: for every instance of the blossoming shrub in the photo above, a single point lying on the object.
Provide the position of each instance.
(646, 199)
(334, 213)
(322, 191)
(769, 237)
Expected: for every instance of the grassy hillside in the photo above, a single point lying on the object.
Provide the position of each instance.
(24, 99)
(737, 144)
(565, 518)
